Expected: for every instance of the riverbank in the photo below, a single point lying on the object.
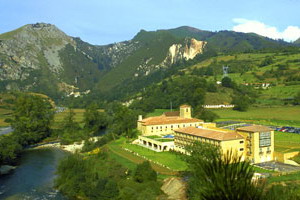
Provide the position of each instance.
(34, 176)
(72, 148)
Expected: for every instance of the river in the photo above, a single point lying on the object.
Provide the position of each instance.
(34, 177)
(5, 130)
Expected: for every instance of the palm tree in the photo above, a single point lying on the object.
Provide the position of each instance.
(214, 175)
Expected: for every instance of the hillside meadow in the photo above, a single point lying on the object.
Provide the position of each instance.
(277, 116)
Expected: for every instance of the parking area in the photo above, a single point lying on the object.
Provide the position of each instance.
(277, 166)
(288, 129)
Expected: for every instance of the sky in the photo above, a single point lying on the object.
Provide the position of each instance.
(109, 21)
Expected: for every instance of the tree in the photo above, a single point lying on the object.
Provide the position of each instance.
(214, 175)
(197, 98)
(9, 149)
(297, 99)
(69, 124)
(227, 82)
(241, 103)
(94, 120)
(206, 115)
(123, 120)
(32, 118)
(144, 173)
(212, 87)
(71, 129)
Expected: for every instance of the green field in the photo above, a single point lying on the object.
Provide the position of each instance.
(169, 159)
(282, 87)
(281, 116)
(157, 112)
(277, 116)
(128, 159)
(58, 117)
(295, 176)
(287, 142)
(4, 113)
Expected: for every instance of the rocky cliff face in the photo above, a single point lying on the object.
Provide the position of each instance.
(41, 58)
(189, 50)
(23, 50)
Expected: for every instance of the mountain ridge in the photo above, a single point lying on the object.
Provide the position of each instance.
(42, 58)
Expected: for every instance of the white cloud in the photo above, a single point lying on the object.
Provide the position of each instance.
(291, 33)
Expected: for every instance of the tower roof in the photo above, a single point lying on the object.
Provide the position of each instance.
(185, 106)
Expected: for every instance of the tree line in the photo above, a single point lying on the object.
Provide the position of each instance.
(32, 122)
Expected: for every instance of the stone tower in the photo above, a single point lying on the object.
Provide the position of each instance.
(185, 111)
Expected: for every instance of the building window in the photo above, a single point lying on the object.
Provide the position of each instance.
(183, 125)
(157, 127)
(187, 110)
(264, 139)
(178, 126)
(152, 128)
(241, 142)
(241, 149)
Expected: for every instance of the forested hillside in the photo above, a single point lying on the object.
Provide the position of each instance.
(61, 66)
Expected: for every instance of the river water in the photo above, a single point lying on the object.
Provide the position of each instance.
(5, 130)
(34, 178)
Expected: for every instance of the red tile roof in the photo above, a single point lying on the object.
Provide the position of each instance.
(210, 134)
(161, 120)
(255, 128)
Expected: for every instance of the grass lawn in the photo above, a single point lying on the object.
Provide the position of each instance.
(157, 112)
(123, 161)
(287, 142)
(296, 158)
(288, 177)
(115, 147)
(58, 117)
(4, 113)
(260, 170)
(169, 159)
(282, 116)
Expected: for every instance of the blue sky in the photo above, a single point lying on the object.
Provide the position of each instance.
(109, 21)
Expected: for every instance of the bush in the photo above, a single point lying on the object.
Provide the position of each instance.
(144, 173)
(241, 103)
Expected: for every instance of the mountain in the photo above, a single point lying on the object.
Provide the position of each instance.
(229, 41)
(297, 41)
(41, 58)
(155, 50)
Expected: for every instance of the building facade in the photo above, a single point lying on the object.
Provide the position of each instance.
(254, 143)
(226, 140)
(169, 121)
(259, 143)
(156, 144)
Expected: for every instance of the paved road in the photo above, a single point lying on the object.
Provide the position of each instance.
(279, 166)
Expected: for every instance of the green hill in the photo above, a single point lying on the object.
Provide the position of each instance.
(229, 41)
(41, 58)
(297, 41)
